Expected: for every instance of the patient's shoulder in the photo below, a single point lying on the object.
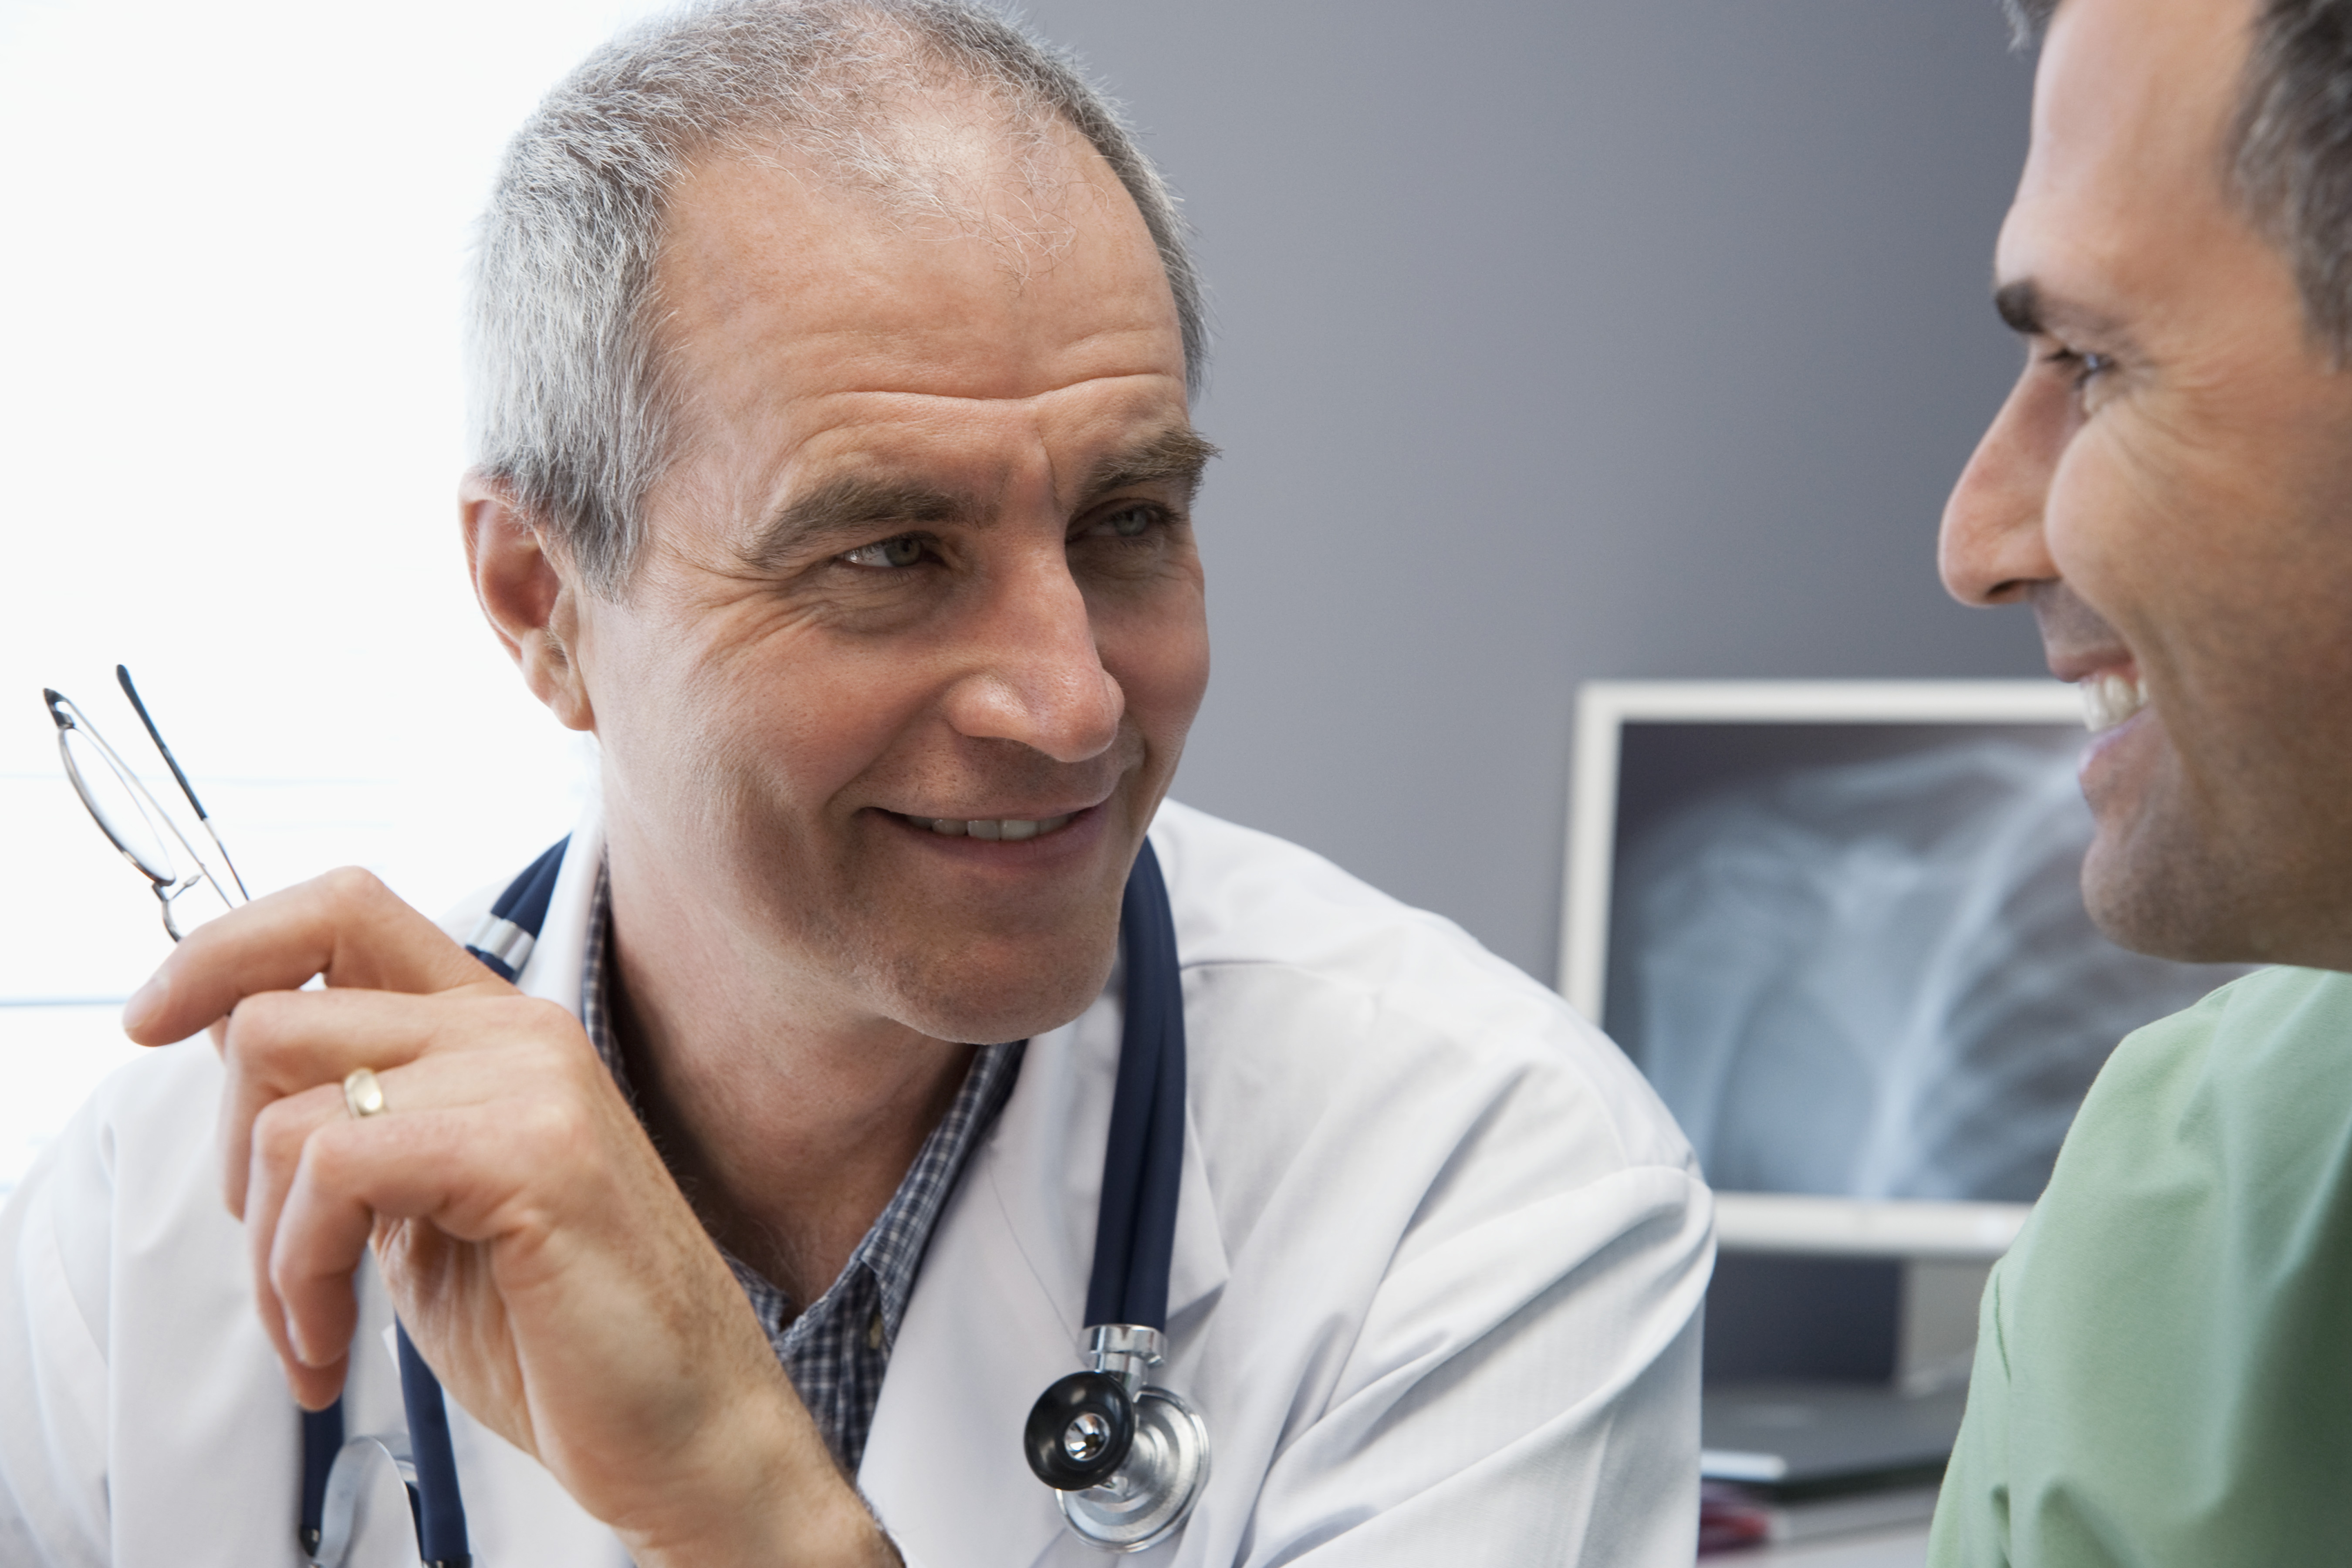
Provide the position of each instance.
(2273, 1051)
(2212, 1127)
(2180, 1278)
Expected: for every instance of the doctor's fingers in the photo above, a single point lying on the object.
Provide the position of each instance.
(315, 1382)
(345, 925)
(283, 1043)
(565, 1109)
(466, 1203)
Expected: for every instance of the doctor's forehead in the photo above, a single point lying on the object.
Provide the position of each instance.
(817, 334)
(990, 272)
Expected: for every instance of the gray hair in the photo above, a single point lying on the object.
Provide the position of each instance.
(570, 408)
(2290, 147)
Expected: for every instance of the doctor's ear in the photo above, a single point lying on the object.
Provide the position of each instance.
(531, 598)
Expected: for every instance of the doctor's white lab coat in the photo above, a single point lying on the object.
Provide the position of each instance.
(1439, 1259)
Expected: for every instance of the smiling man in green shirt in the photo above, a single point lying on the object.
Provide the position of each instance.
(2164, 1373)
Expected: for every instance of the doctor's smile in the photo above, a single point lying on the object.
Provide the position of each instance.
(990, 829)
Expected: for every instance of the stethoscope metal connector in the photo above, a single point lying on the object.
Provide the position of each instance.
(1127, 1459)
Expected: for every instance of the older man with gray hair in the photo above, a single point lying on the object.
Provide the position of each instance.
(2163, 1374)
(742, 1183)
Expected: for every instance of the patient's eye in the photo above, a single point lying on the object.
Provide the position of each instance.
(2081, 368)
(902, 551)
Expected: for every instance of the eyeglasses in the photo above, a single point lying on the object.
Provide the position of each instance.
(133, 821)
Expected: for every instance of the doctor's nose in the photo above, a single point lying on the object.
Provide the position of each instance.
(1036, 675)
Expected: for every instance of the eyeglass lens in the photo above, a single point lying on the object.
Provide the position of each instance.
(119, 807)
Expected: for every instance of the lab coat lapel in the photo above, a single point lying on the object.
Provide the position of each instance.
(995, 1313)
(981, 1337)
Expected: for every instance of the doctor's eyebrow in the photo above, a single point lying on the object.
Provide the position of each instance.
(1176, 456)
(846, 512)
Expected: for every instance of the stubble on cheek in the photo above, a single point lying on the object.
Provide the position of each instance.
(2188, 862)
(2146, 876)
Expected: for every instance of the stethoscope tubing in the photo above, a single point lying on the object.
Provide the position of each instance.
(1143, 1153)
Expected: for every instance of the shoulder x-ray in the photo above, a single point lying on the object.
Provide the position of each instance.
(1876, 978)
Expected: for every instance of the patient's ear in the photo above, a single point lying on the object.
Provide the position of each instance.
(531, 598)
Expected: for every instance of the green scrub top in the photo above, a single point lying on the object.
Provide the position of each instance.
(2164, 1361)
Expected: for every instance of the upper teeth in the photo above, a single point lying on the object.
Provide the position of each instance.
(2110, 698)
(1011, 828)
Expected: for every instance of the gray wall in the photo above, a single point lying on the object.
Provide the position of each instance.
(1563, 340)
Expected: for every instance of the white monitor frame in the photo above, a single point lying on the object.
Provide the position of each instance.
(1771, 1221)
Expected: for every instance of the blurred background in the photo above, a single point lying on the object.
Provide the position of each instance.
(1555, 340)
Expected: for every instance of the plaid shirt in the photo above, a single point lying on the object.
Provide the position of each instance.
(837, 1351)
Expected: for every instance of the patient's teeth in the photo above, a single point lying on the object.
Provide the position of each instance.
(2110, 698)
(986, 829)
(1014, 831)
(950, 825)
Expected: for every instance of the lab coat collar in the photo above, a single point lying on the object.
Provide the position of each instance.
(559, 956)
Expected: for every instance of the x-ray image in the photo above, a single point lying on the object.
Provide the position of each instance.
(1871, 975)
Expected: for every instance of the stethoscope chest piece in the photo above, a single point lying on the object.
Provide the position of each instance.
(1147, 1498)
(1126, 1457)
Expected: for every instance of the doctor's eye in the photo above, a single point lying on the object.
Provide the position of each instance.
(1128, 522)
(889, 553)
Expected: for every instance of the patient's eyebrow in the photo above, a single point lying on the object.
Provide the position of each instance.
(2029, 310)
(2020, 305)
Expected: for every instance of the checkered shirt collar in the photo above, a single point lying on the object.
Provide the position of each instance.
(837, 1349)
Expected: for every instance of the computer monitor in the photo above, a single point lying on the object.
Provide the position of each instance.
(1839, 926)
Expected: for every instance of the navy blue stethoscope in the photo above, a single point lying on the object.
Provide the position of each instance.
(1126, 1457)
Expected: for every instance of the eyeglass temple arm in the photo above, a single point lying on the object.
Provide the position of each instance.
(122, 674)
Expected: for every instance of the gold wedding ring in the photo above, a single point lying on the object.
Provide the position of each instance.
(363, 1093)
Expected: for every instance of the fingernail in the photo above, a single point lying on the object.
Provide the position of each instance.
(143, 1001)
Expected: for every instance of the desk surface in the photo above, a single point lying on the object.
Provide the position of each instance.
(1905, 1548)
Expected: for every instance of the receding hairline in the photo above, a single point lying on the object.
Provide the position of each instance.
(1034, 155)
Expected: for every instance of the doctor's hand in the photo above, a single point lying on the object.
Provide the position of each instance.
(542, 1259)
